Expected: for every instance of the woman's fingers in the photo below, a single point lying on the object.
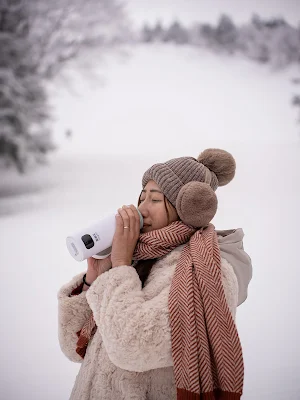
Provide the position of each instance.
(130, 219)
(126, 236)
(136, 218)
(125, 218)
(119, 223)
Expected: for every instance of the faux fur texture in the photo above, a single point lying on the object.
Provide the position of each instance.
(129, 356)
(220, 162)
(196, 204)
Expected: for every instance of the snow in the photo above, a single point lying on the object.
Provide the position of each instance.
(189, 11)
(161, 102)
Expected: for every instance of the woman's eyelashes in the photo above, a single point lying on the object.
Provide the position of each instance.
(153, 200)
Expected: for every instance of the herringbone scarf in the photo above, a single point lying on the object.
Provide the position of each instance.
(206, 350)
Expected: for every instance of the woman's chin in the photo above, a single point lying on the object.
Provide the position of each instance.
(146, 229)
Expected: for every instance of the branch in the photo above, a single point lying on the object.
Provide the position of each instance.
(48, 36)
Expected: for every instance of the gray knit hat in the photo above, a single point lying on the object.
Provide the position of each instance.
(190, 184)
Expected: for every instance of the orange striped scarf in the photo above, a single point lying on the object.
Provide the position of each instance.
(206, 350)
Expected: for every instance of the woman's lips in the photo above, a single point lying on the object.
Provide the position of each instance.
(145, 226)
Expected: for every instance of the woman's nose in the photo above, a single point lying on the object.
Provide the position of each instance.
(143, 210)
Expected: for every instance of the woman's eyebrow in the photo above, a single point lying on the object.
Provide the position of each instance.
(151, 191)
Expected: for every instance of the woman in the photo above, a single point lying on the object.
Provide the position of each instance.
(155, 320)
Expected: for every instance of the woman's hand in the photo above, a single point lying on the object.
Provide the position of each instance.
(97, 267)
(126, 236)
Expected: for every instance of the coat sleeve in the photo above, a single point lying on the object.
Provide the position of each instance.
(136, 333)
(73, 311)
(230, 286)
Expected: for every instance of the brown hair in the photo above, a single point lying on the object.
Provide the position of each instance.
(143, 267)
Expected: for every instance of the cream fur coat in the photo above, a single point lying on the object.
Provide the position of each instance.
(129, 357)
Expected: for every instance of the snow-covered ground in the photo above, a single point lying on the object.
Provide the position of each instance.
(160, 103)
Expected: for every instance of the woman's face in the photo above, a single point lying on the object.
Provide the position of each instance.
(153, 208)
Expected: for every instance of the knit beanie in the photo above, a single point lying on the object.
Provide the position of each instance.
(190, 184)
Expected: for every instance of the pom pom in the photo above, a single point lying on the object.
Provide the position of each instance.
(220, 162)
(196, 204)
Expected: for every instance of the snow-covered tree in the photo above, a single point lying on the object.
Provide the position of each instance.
(195, 35)
(61, 29)
(158, 31)
(147, 34)
(226, 34)
(23, 103)
(253, 40)
(176, 33)
(37, 38)
(208, 35)
(284, 45)
(273, 41)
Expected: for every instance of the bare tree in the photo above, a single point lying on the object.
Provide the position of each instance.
(62, 29)
(37, 38)
(23, 103)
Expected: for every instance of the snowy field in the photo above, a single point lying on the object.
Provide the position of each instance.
(160, 103)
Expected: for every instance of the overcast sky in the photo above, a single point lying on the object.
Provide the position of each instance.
(209, 10)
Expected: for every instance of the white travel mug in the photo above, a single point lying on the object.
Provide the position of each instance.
(96, 240)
